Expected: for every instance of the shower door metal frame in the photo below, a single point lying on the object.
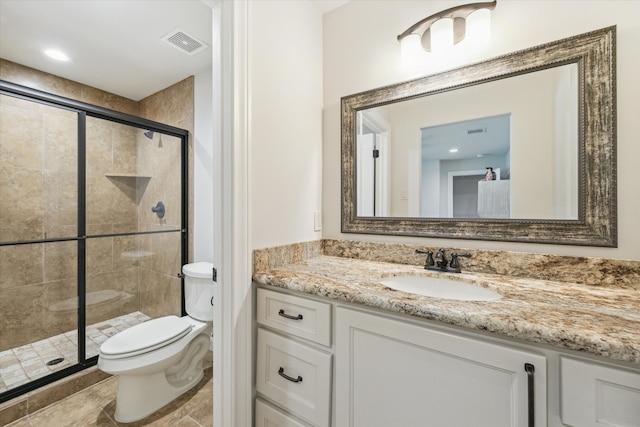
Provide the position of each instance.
(85, 110)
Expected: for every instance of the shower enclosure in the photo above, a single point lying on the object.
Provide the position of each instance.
(93, 231)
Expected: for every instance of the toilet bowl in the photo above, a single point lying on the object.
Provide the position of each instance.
(159, 360)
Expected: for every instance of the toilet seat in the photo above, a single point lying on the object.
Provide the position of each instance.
(145, 337)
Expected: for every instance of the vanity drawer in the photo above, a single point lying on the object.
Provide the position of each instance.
(295, 376)
(293, 315)
(268, 416)
(596, 395)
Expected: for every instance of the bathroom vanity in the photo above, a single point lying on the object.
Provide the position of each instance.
(335, 347)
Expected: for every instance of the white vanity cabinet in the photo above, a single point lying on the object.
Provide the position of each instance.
(292, 371)
(394, 373)
(350, 366)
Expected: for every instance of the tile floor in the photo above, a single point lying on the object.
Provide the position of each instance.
(95, 406)
(28, 362)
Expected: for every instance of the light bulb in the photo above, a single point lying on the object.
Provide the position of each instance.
(478, 29)
(410, 49)
(442, 34)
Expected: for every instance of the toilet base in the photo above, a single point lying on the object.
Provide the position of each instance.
(135, 402)
(141, 395)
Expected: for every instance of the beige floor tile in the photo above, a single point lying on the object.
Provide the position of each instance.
(71, 412)
(186, 422)
(95, 406)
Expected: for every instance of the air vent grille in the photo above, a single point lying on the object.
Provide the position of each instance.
(183, 41)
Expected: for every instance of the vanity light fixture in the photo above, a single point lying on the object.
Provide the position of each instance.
(444, 29)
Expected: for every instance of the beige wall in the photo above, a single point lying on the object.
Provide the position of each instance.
(361, 52)
(38, 184)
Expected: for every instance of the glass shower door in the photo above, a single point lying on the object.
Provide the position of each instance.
(133, 228)
(93, 231)
(38, 240)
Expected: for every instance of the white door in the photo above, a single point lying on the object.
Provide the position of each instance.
(391, 373)
(365, 168)
(372, 175)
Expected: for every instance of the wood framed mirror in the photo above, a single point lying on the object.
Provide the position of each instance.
(556, 171)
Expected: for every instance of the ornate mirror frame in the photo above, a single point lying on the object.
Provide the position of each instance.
(594, 53)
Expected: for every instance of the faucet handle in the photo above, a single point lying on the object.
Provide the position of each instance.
(454, 261)
(454, 265)
(429, 261)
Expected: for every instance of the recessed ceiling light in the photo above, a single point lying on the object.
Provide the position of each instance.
(56, 54)
(453, 150)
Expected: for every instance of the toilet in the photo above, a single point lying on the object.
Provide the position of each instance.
(161, 359)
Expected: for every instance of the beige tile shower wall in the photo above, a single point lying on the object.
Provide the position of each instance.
(157, 158)
(38, 186)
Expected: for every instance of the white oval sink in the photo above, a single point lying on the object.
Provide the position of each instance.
(440, 288)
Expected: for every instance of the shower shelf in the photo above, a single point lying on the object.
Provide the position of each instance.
(136, 254)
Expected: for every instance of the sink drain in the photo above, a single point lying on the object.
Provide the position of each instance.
(55, 361)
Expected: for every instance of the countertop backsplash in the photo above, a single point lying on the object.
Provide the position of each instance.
(582, 270)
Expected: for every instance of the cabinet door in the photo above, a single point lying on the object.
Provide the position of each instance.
(597, 395)
(392, 373)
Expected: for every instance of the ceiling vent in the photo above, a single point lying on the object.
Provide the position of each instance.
(183, 41)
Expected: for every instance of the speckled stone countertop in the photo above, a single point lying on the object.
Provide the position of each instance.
(599, 320)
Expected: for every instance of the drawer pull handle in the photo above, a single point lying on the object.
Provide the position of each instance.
(283, 375)
(530, 369)
(288, 316)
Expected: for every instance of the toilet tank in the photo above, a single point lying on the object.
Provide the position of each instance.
(198, 290)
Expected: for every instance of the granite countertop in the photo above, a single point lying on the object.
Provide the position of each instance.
(599, 320)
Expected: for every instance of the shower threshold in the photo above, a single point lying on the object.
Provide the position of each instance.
(29, 362)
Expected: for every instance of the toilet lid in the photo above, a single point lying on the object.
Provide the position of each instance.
(146, 337)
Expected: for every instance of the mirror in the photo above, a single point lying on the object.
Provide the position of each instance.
(516, 148)
(432, 152)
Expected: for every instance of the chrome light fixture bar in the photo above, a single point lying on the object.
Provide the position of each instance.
(448, 27)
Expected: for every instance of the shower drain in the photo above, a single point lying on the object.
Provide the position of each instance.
(55, 361)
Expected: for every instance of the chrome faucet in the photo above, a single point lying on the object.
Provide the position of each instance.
(440, 263)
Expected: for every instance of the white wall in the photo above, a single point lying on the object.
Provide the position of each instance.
(362, 52)
(203, 167)
(285, 115)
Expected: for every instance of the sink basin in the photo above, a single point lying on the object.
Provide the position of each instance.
(440, 288)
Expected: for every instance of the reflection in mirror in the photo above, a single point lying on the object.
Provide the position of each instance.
(427, 157)
(555, 183)
(465, 169)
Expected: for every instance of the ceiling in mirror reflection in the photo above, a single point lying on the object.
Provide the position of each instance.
(469, 139)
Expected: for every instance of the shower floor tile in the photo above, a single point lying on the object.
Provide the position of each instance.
(23, 364)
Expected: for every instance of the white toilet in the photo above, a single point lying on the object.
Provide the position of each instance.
(160, 359)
